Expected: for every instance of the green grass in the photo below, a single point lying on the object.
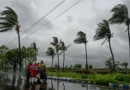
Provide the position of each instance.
(98, 78)
(64, 74)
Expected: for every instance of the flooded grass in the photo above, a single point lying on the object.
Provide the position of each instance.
(98, 78)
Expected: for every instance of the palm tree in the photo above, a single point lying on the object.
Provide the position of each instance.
(51, 52)
(81, 38)
(34, 46)
(63, 48)
(103, 32)
(121, 15)
(56, 44)
(9, 21)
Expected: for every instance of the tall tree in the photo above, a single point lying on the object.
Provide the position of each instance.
(28, 54)
(12, 56)
(3, 59)
(51, 52)
(121, 15)
(34, 46)
(103, 32)
(56, 44)
(63, 48)
(8, 21)
(81, 38)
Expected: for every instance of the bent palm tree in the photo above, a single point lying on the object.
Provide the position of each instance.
(63, 48)
(56, 44)
(34, 46)
(103, 32)
(8, 21)
(121, 15)
(51, 52)
(81, 38)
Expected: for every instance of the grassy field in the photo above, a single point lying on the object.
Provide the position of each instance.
(98, 78)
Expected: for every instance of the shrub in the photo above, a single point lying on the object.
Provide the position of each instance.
(123, 78)
(92, 76)
(84, 76)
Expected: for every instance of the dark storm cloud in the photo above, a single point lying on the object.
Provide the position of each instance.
(83, 17)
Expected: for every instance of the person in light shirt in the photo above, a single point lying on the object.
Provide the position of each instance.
(42, 71)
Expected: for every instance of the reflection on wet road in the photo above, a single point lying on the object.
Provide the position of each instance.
(17, 82)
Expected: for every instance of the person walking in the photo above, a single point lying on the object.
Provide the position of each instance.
(42, 71)
(28, 71)
(36, 70)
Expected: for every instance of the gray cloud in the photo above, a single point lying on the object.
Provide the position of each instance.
(84, 16)
(28, 15)
(69, 19)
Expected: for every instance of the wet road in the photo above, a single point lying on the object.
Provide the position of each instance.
(17, 82)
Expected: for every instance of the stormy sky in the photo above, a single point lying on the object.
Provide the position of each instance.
(83, 17)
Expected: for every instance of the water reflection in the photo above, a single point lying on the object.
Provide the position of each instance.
(17, 82)
(63, 86)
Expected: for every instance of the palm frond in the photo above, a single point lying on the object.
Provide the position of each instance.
(81, 34)
(120, 14)
(67, 47)
(50, 52)
(9, 19)
(53, 43)
(4, 30)
(9, 11)
(78, 41)
(55, 39)
(102, 31)
(81, 38)
(62, 43)
(104, 41)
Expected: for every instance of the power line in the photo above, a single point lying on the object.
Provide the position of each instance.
(55, 18)
(44, 16)
(39, 20)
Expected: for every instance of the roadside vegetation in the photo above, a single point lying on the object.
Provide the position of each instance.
(102, 79)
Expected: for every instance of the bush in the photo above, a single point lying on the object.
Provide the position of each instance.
(84, 76)
(92, 76)
(123, 78)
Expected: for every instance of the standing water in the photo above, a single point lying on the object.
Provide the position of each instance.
(17, 82)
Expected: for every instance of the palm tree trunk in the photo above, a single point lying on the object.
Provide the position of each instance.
(128, 39)
(58, 59)
(20, 60)
(86, 57)
(14, 67)
(58, 85)
(52, 62)
(5, 68)
(63, 86)
(52, 85)
(114, 69)
(63, 60)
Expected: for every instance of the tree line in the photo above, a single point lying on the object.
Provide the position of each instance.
(9, 57)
